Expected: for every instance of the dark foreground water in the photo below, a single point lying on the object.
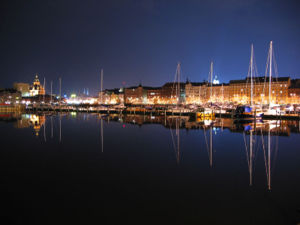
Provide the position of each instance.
(70, 169)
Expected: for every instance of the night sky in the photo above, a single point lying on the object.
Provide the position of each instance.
(142, 41)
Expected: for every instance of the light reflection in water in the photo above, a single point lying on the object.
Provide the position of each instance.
(257, 135)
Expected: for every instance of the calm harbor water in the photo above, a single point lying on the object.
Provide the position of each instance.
(92, 169)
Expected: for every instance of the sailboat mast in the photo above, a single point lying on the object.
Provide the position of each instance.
(210, 147)
(211, 79)
(59, 92)
(178, 84)
(270, 71)
(251, 75)
(51, 92)
(44, 90)
(101, 86)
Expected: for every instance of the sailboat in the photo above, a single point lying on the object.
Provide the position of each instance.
(207, 113)
(249, 111)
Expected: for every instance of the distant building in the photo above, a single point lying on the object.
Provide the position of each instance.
(135, 95)
(112, 96)
(36, 88)
(9, 96)
(169, 93)
(23, 88)
(154, 95)
(294, 92)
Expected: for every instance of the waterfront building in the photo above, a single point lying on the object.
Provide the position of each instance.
(23, 88)
(169, 93)
(201, 93)
(112, 96)
(283, 91)
(154, 96)
(294, 92)
(10, 96)
(136, 95)
(36, 88)
(240, 90)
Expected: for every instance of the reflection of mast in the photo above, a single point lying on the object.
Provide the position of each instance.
(209, 147)
(269, 159)
(51, 119)
(250, 156)
(45, 130)
(176, 143)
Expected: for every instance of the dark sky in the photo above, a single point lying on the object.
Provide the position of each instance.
(142, 41)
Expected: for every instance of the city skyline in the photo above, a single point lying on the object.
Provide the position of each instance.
(142, 41)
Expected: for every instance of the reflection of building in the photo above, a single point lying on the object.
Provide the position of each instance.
(23, 88)
(37, 121)
(36, 88)
(28, 120)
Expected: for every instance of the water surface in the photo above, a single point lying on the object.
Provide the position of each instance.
(92, 169)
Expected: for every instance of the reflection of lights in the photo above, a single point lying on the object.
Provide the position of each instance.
(123, 126)
(73, 114)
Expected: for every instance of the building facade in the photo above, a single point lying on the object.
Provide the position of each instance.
(36, 88)
(23, 88)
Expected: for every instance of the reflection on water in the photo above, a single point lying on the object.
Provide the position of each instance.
(215, 156)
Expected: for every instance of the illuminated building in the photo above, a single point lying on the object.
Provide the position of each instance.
(240, 91)
(10, 96)
(112, 96)
(169, 93)
(200, 93)
(154, 96)
(284, 91)
(36, 88)
(294, 92)
(23, 88)
(135, 95)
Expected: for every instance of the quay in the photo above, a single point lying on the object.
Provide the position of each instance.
(144, 110)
